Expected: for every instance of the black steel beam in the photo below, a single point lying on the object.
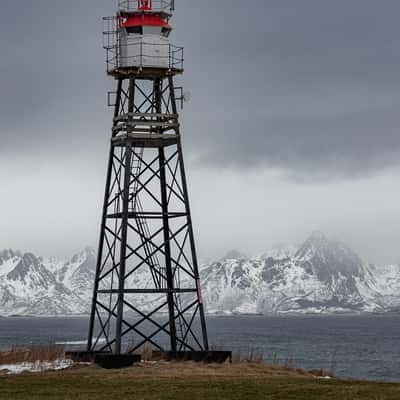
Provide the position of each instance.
(167, 244)
(144, 291)
(190, 223)
(156, 234)
(102, 229)
(124, 238)
(147, 215)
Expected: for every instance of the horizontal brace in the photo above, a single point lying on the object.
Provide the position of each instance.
(156, 124)
(147, 136)
(126, 117)
(142, 134)
(146, 140)
(147, 215)
(145, 291)
(144, 130)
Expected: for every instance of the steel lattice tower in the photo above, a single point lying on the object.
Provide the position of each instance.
(147, 286)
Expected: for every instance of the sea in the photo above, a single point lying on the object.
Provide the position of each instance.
(354, 347)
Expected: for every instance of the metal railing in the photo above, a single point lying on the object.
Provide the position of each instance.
(156, 5)
(139, 54)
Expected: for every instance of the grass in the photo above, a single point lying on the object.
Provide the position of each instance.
(31, 354)
(177, 381)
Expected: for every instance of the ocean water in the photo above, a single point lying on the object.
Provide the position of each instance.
(365, 347)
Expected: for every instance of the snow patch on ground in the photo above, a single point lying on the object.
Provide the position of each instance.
(38, 366)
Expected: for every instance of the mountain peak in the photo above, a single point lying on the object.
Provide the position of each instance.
(327, 258)
(318, 236)
(317, 242)
(7, 254)
(279, 252)
(87, 253)
(234, 255)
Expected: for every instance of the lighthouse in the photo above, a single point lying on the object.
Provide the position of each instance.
(138, 37)
(144, 36)
(147, 289)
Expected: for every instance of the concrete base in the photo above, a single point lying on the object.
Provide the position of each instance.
(104, 359)
(114, 361)
(217, 357)
(83, 356)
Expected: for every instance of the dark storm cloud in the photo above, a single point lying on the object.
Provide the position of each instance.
(308, 86)
(51, 73)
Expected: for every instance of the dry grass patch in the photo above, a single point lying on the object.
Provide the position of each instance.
(182, 381)
(32, 354)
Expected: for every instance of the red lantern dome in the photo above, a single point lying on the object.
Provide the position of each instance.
(145, 16)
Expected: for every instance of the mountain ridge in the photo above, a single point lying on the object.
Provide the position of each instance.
(321, 276)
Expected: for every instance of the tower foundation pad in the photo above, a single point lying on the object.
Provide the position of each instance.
(82, 356)
(116, 361)
(104, 359)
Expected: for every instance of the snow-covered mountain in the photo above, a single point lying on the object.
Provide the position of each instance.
(320, 276)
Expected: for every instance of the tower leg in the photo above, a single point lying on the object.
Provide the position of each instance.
(167, 246)
(166, 230)
(124, 225)
(103, 226)
(124, 241)
(190, 223)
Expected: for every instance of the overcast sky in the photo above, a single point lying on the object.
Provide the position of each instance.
(293, 123)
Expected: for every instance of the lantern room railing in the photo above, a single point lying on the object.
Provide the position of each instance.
(155, 5)
(137, 54)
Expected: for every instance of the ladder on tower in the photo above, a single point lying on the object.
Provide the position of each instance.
(180, 325)
(141, 223)
(158, 273)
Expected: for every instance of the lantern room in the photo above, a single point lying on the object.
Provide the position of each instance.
(143, 29)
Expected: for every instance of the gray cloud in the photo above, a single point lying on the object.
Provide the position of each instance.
(52, 80)
(303, 86)
(283, 92)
